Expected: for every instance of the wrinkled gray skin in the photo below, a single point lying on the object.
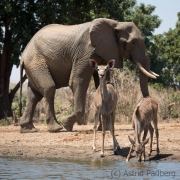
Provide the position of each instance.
(58, 56)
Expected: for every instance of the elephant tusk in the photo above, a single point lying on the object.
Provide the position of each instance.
(145, 72)
(153, 73)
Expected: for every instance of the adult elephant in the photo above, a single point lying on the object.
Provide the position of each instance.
(58, 56)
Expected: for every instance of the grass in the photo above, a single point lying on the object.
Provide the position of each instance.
(129, 94)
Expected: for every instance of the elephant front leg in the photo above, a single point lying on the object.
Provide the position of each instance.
(79, 107)
(79, 86)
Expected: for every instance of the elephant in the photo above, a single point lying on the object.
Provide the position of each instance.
(58, 56)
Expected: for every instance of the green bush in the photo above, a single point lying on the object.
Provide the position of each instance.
(174, 114)
(6, 122)
(15, 104)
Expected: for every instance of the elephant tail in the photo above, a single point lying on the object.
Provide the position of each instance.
(21, 82)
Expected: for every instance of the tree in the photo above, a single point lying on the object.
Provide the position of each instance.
(167, 48)
(19, 22)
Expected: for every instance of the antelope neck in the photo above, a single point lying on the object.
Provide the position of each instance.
(103, 89)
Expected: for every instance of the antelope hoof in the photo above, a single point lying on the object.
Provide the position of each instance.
(94, 151)
(115, 153)
(158, 152)
(143, 158)
(102, 155)
(118, 148)
(149, 154)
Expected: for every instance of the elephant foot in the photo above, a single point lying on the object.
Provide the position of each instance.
(67, 124)
(55, 127)
(102, 155)
(28, 128)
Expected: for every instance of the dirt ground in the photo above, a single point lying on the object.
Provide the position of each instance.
(78, 143)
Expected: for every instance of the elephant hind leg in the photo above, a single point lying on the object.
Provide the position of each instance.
(48, 89)
(26, 123)
(42, 81)
(52, 124)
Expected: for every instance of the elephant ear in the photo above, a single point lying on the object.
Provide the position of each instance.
(103, 38)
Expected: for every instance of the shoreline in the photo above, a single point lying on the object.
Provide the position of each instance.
(78, 143)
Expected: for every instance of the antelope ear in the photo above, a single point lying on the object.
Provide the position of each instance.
(111, 63)
(104, 40)
(93, 63)
(145, 141)
(131, 140)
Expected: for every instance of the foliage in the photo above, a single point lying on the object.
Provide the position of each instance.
(176, 109)
(116, 9)
(5, 122)
(174, 114)
(15, 104)
(17, 19)
(167, 48)
(144, 19)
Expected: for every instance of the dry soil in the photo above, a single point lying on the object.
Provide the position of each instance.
(78, 143)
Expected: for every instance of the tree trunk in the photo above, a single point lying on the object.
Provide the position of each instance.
(6, 68)
(5, 72)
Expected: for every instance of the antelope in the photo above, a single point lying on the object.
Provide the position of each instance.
(105, 101)
(144, 113)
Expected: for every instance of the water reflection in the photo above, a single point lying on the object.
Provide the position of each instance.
(55, 168)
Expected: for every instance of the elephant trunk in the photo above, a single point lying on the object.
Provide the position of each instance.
(145, 72)
(144, 69)
(144, 84)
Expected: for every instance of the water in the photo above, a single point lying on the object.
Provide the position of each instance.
(54, 168)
